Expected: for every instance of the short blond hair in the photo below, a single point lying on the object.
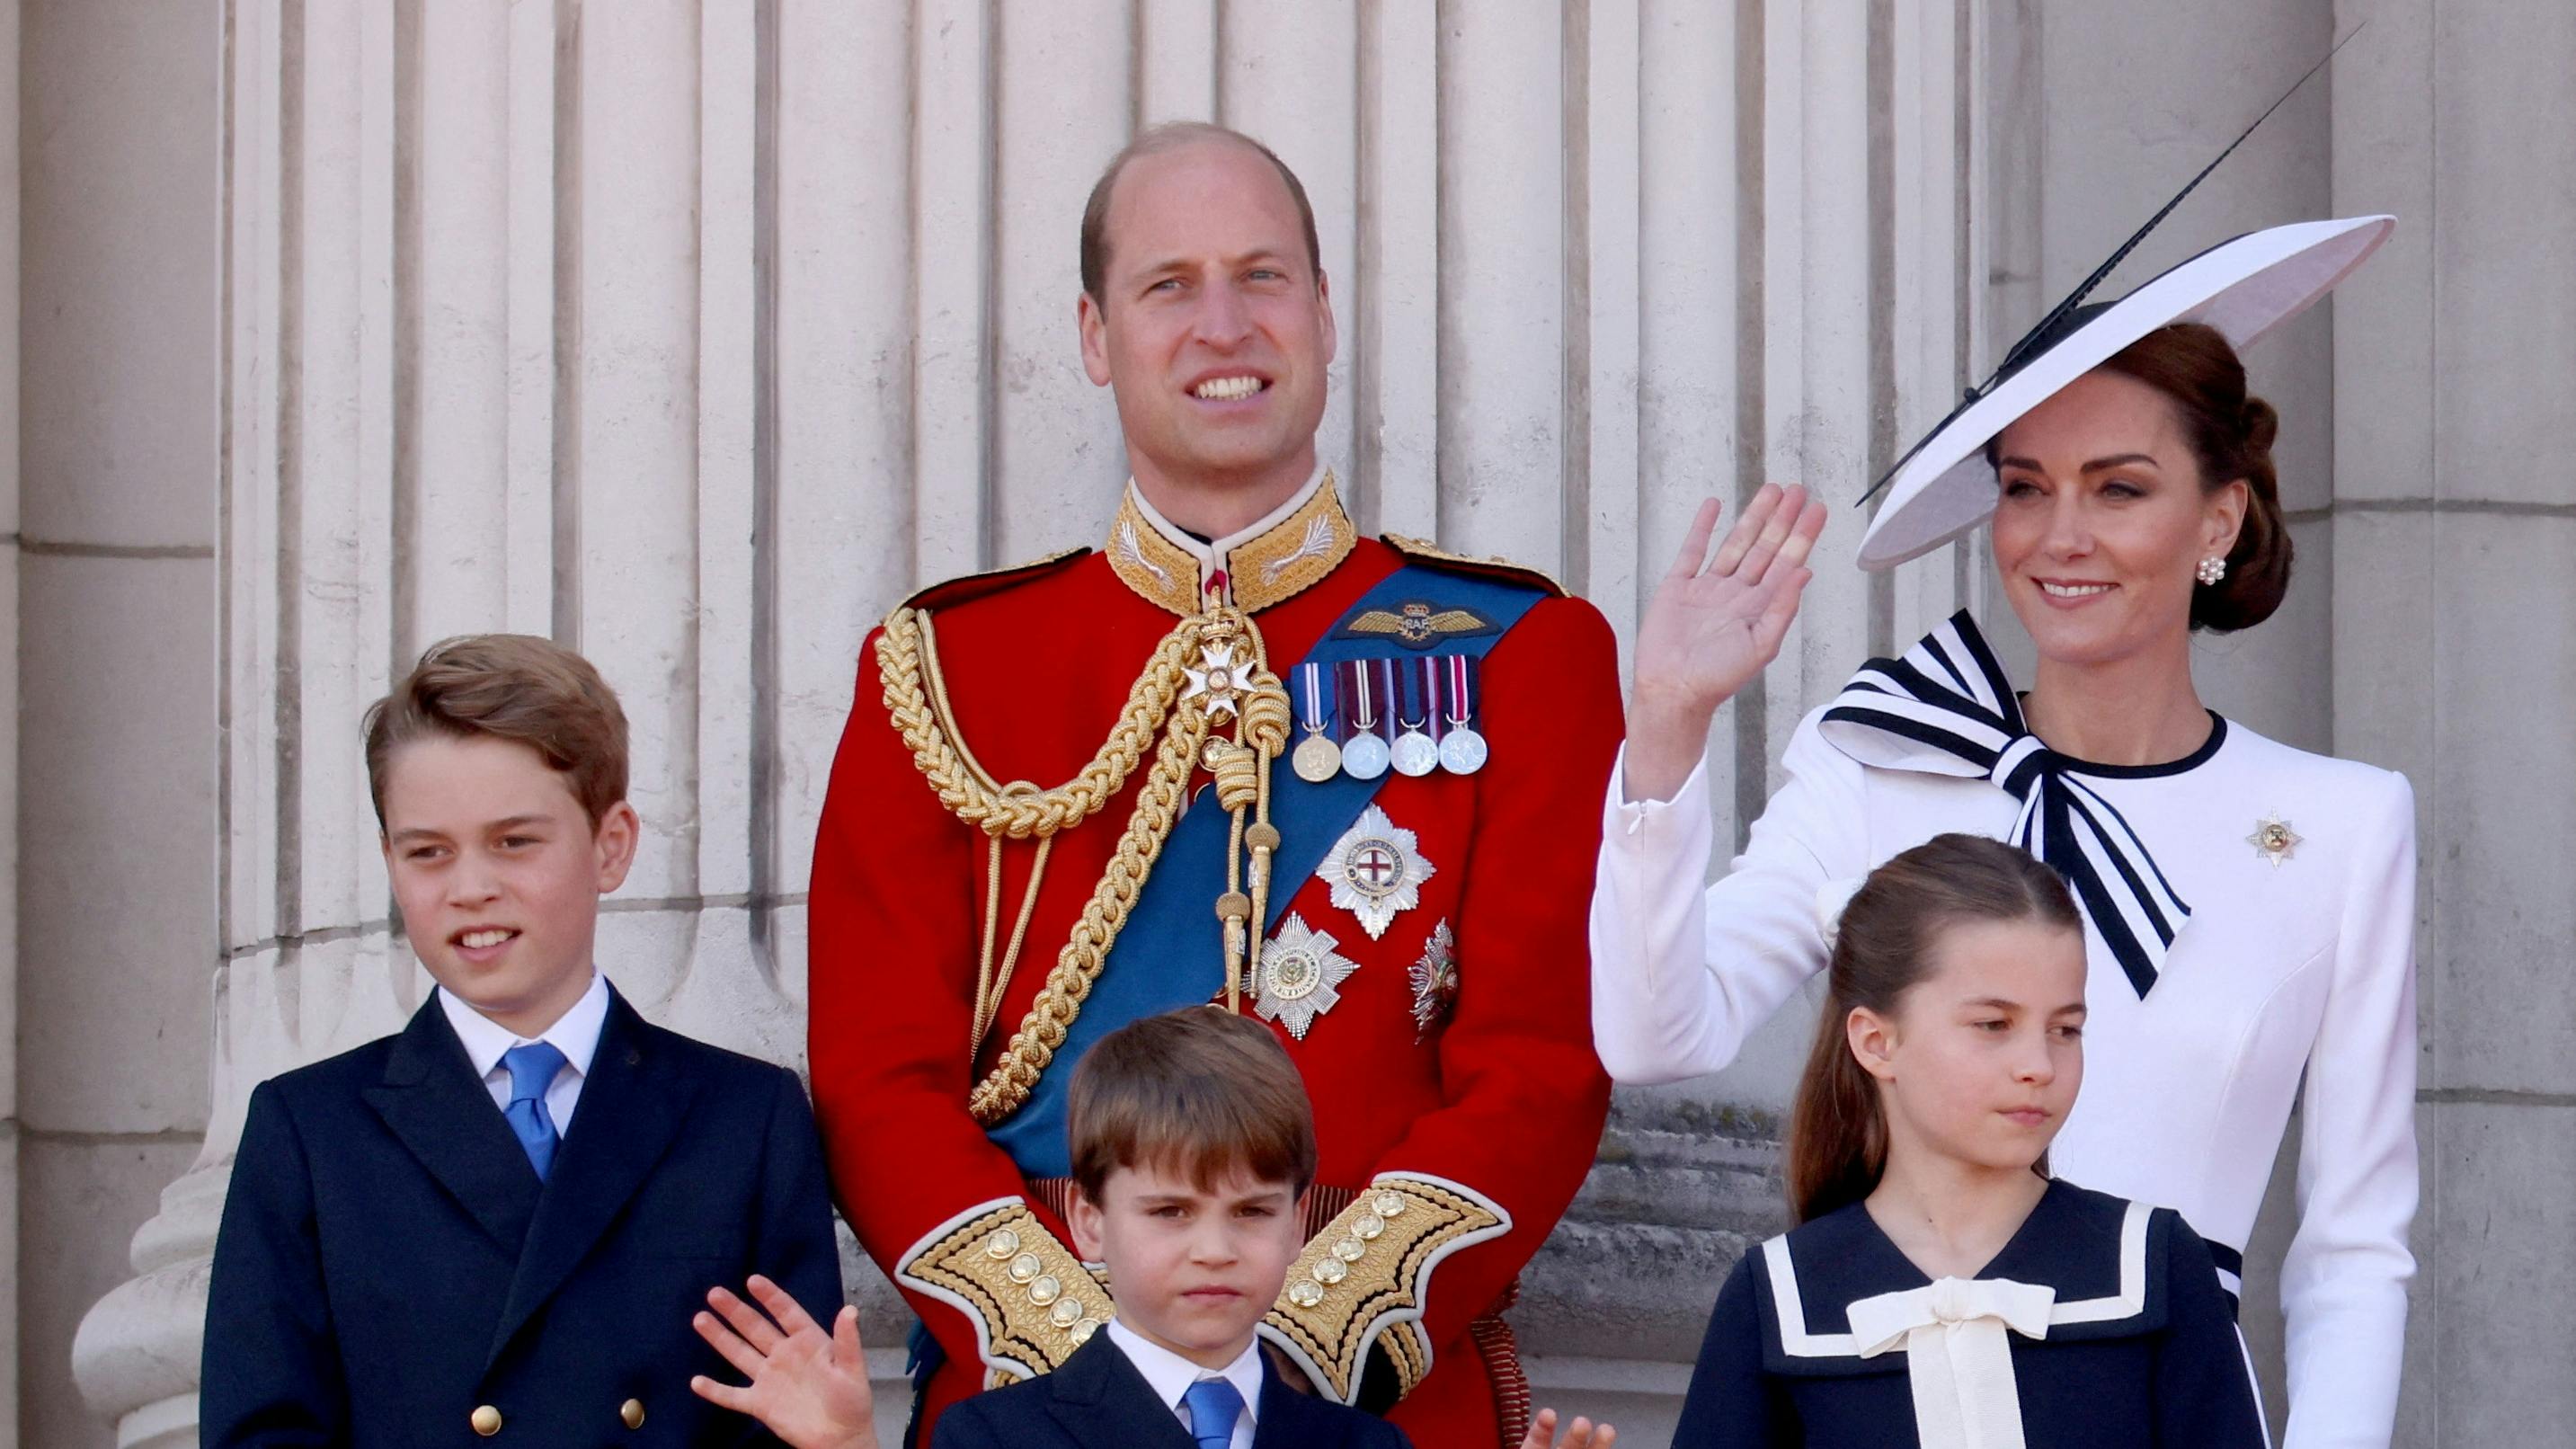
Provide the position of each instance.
(1197, 1092)
(511, 687)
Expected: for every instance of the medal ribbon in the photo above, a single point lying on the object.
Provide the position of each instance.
(1310, 685)
(1462, 673)
(1361, 717)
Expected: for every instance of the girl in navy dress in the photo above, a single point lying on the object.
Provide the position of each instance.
(1940, 1289)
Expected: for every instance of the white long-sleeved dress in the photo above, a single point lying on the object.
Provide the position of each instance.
(2302, 964)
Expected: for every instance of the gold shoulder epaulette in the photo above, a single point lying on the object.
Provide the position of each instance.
(975, 586)
(1366, 1279)
(1031, 1301)
(1423, 551)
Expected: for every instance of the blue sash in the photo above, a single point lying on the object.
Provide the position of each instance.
(1171, 952)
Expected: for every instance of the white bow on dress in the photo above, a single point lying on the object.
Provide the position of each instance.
(1958, 1360)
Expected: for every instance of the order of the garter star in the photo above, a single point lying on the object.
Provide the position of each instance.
(1376, 870)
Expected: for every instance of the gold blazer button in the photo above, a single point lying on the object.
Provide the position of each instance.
(631, 1413)
(486, 1421)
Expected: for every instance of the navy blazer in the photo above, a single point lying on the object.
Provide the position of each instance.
(389, 1264)
(1097, 1400)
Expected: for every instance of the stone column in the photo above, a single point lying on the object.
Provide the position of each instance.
(2455, 655)
(118, 764)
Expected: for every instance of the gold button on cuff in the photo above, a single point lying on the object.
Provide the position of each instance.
(1329, 1271)
(631, 1413)
(1001, 1245)
(1369, 1228)
(486, 1421)
(1026, 1267)
(1350, 1250)
(1045, 1290)
(1083, 1329)
(1305, 1294)
(1389, 1205)
(1066, 1312)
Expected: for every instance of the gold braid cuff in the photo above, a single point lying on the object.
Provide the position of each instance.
(1032, 1301)
(1365, 1280)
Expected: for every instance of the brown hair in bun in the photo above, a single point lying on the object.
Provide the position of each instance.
(2231, 437)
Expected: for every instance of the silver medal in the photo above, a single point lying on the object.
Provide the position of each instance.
(1364, 754)
(1462, 751)
(1365, 757)
(1413, 753)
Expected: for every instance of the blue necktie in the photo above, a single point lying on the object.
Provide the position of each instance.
(532, 1070)
(1214, 1406)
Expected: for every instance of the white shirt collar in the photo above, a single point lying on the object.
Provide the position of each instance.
(1212, 555)
(575, 1033)
(1169, 1375)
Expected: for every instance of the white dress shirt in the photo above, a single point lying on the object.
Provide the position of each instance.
(575, 1034)
(1169, 1375)
(2301, 968)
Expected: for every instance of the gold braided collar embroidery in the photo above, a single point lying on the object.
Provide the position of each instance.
(1281, 562)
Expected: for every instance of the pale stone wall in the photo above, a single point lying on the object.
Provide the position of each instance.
(2455, 657)
(696, 334)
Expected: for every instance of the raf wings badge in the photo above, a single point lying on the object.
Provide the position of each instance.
(1417, 625)
(1376, 870)
(1299, 971)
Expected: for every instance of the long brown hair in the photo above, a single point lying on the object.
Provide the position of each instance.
(1838, 1129)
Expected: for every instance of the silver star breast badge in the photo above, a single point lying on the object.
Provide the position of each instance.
(1376, 870)
(1435, 981)
(1299, 971)
(1218, 677)
(2274, 840)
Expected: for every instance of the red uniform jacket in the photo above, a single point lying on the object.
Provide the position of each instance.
(1503, 1097)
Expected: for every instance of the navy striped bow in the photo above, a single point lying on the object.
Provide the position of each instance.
(1946, 708)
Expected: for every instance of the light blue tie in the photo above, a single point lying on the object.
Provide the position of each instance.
(532, 1070)
(1214, 1406)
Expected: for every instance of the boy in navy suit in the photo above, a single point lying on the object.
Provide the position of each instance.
(1192, 1144)
(499, 1222)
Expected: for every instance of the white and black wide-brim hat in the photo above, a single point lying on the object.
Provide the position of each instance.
(2244, 288)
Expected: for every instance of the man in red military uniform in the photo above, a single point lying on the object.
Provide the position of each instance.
(1238, 755)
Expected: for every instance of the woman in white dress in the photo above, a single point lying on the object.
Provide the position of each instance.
(2250, 907)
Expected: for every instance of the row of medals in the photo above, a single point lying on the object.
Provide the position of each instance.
(1460, 750)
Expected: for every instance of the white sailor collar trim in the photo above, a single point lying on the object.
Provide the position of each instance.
(2098, 1254)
